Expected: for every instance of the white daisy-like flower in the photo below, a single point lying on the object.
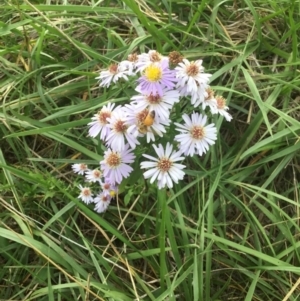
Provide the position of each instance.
(145, 122)
(85, 194)
(198, 97)
(133, 58)
(102, 202)
(195, 137)
(79, 168)
(161, 104)
(221, 108)
(164, 168)
(210, 100)
(118, 124)
(93, 175)
(114, 73)
(129, 66)
(115, 164)
(190, 74)
(100, 122)
(146, 59)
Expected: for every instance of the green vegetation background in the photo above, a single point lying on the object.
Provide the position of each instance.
(230, 232)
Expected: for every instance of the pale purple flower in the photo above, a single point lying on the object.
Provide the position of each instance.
(102, 202)
(118, 135)
(109, 188)
(164, 169)
(115, 164)
(155, 77)
(195, 137)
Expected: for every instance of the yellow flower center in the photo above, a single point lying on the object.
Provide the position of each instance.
(153, 73)
(112, 193)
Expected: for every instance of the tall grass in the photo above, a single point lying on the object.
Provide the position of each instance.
(229, 232)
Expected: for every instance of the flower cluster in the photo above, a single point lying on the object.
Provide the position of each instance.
(108, 189)
(160, 83)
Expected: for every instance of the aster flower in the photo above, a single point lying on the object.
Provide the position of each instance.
(114, 73)
(145, 59)
(138, 128)
(221, 108)
(131, 63)
(108, 188)
(118, 124)
(115, 164)
(197, 97)
(209, 100)
(195, 137)
(93, 175)
(100, 123)
(161, 104)
(79, 168)
(190, 74)
(102, 202)
(155, 77)
(164, 169)
(85, 194)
